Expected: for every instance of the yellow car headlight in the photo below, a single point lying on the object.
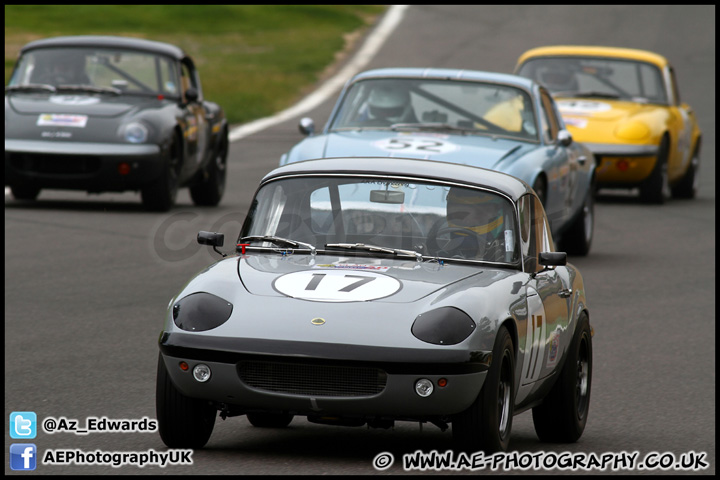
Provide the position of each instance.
(632, 131)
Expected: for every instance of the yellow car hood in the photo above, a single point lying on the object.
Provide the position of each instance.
(609, 121)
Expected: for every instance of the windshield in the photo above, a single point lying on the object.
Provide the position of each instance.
(125, 71)
(380, 216)
(468, 107)
(598, 77)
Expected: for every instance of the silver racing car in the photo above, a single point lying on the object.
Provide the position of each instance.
(382, 290)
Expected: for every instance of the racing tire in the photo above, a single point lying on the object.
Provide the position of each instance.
(487, 423)
(656, 188)
(270, 420)
(24, 192)
(183, 422)
(578, 238)
(562, 416)
(209, 189)
(160, 195)
(687, 187)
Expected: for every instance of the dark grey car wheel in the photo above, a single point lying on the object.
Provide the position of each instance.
(210, 187)
(160, 195)
(564, 412)
(656, 188)
(183, 422)
(487, 423)
(24, 192)
(687, 187)
(578, 238)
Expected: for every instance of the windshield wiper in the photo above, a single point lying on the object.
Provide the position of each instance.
(375, 248)
(30, 87)
(278, 241)
(89, 88)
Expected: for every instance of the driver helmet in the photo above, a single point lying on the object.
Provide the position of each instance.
(388, 101)
(480, 212)
(558, 78)
(67, 67)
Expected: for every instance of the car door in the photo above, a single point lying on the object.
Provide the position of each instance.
(546, 293)
(556, 164)
(195, 117)
(680, 123)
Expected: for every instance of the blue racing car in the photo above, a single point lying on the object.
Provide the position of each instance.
(495, 121)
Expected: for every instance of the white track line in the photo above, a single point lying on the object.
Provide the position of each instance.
(372, 44)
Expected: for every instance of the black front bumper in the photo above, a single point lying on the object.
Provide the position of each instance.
(93, 167)
(307, 378)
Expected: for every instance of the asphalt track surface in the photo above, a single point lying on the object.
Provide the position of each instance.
(88, 279)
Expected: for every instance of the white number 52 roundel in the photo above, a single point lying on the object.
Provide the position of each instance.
(336, 286)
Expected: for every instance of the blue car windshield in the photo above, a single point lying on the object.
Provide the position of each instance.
(435, 104)
(123, 71)
(355, 214)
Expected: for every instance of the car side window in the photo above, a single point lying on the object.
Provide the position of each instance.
(551, 126)
(168, 77)
(535, 236)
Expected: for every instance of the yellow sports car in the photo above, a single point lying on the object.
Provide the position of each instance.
(624, 105)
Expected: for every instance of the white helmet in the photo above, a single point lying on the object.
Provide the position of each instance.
(388, 101)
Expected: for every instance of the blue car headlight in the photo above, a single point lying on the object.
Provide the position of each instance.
(135, 132)
(201, 311)
(443, 326)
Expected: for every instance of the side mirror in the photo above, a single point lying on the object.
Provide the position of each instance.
(306, 126)
(191, 94)
(211, 238)
(564, 138)
(552, 259)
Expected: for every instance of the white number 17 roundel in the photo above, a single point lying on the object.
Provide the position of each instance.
(336, 286)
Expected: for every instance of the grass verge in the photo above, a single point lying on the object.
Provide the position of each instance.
(254, 60)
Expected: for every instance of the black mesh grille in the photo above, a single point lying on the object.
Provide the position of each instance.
(313, 380)
(55, 164)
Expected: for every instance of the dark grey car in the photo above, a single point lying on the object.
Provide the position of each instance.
(379, 291)
(110, 114)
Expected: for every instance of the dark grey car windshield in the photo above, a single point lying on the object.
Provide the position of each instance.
(101, 69)
(467, 107)
(367, 216)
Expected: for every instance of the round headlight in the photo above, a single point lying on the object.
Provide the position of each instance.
(201, 372)
(136, 132)
(201, 311)
(443, 326)
(633, 130)
(424, 387)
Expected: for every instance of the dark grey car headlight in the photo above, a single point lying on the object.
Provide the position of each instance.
(201, 311)
(443, 326)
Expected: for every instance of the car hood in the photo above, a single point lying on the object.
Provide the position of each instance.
(608, 121)
(328, 278)
(276, 297)
(476, 150)
(76, 103)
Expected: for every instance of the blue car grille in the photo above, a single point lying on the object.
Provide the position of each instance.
(312, 379)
